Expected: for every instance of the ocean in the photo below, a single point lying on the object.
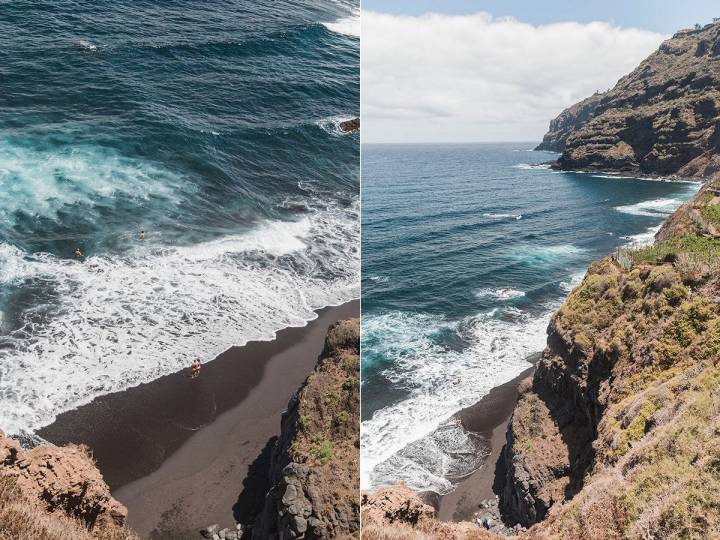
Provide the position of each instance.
(467, 250)
(211, 126)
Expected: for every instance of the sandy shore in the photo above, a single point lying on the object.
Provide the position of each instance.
(183, 453)
(489, 418)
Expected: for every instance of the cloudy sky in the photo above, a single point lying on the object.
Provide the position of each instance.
(491, 70)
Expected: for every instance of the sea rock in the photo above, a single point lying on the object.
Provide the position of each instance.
(349, 126)
(661, 119)
(315, 462)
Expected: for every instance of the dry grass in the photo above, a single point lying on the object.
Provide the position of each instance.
(657, 452)
(23, 519)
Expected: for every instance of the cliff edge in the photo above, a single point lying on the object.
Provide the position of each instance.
(661, 119)
(315, 464)
(54, 493)
(618, 433)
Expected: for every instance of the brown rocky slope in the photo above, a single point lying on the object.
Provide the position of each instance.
(52, 493)
(661, 119)
(315, 464)
(617, 434)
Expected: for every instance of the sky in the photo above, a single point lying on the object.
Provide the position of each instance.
(485, 71)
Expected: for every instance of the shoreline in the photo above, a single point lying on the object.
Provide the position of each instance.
(183, 453)
(488, 418)
(636, 175)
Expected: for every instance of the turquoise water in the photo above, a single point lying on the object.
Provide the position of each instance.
(212, 126)
(467, 250)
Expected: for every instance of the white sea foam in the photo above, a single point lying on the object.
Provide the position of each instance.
(378, 279)
(492, 215)
(532, 166)
(573, 282)
(349, 26)
(504, 293)
(124, 320)
(540, 255)
(439, 381)
(86, 45)
(644, 238)
(40, 182)
(614, 176)
(331, 124)
(651, 208)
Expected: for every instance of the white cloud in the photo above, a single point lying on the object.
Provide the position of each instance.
(479, 78)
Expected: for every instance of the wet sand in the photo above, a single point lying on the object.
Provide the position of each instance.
(184, 453)
(489, 418)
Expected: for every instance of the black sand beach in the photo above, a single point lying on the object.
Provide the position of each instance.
(489, 418)
(177, 451)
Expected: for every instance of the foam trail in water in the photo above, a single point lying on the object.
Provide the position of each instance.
(491, 215)
(123, 320)
(505, 293)
(652, 208)
(645, 238)
(42, 182)
(440, 381)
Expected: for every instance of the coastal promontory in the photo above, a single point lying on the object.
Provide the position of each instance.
(661, 119)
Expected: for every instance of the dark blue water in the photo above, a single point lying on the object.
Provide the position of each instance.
(212, 126)
(467, 249)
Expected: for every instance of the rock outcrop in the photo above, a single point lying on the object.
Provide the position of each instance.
(661, 119)
(564, 124)
(51, 492)
(396, 512)
(315, 464)
(349, 126)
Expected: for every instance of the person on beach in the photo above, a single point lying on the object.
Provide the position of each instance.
(78, 253)
(195, 369)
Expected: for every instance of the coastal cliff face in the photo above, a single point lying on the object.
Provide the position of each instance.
(396, 513)
(54, 493)
(660, 119)
(564, 124)
(617, 434)
(315, 463)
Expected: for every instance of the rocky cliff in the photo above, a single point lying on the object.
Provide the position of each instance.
(618, 433)
(565, 123)
(53, 493)
(661, 119)
(315, 464)
(394, 513)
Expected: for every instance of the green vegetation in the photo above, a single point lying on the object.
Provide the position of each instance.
(324, 451)
(700, 248)
(711, 213)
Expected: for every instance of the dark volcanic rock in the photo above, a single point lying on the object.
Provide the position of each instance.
(315, 464)
(349, 126)
(661, 119)
(566, 122)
